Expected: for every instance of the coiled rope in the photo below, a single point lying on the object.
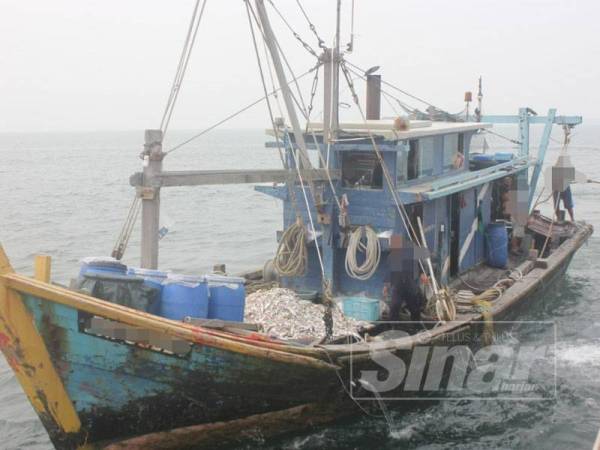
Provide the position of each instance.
(291, 256)
(371, 249)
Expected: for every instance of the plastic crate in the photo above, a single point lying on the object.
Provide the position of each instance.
(361, 308)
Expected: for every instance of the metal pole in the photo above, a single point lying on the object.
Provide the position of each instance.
(373, 97)
(327, 93)
(150, 194)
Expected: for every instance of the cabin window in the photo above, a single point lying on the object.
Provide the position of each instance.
(401, 165)
(426, 154)
(361, 170)
(453, 151)
(413, 160)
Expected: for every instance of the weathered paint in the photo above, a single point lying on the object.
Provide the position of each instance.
(28, 356)
(110, 381)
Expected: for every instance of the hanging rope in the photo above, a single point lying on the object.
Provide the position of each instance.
(363, 240)
(127, 229)
(182, 66)
(291, 256)
(413, 236)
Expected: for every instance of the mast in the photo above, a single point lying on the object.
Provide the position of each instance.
(331, 80)
(286, 91)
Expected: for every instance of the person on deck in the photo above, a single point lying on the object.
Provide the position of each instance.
(567, 198)
(403, 263)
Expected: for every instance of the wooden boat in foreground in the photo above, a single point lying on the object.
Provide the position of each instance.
(88, 388)
(97, 371)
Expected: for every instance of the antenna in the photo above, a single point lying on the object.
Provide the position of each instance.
(350, 45)
(478, 111)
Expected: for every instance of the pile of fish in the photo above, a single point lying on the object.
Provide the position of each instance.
(282, 314)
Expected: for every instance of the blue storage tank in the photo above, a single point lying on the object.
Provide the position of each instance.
(227, 298)
(497, 245)
(184, 296)
(102, 265)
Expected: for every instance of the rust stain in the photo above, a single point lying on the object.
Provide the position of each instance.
(4, 341)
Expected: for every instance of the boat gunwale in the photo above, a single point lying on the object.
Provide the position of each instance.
(510, 297)
(263, 348)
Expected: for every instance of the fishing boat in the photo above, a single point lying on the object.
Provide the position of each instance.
(396, 212)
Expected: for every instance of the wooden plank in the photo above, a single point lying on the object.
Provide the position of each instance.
(214, 177)
(42, 268)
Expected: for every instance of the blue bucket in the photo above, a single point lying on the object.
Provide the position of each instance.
(102, 265)
(227, 298)
(497, 245)
(184, 296)
(361, 308)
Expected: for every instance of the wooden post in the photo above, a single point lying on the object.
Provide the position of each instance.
(373, 97)
(150, 194)
(43, 264)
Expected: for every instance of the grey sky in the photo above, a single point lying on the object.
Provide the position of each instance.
(97, 65)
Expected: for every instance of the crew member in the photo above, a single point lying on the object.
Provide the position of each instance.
(403, 262)
(567, 199)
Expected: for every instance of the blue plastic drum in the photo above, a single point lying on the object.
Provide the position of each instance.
(497, 245)
(227, 298)
(184, 296)
(102, 265)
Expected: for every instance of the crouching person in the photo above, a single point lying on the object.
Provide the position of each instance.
(403, 280)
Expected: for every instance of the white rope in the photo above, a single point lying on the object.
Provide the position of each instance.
(371, 249)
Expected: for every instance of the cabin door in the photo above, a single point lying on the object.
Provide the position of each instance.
(454, 234)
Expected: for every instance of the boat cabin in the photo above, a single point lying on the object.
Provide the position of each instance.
(453, 192)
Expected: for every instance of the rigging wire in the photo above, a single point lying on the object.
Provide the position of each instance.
(405, 106)
(514, 141)
(304, 44)
(182, 66)
(408, 94)
(237, 113)
(311, 25)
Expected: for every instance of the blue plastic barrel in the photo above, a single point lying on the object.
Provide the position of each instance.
(503, 156)
(152, 278)
(102, 265)
(184, 296)
(497, 245)
(227, 298)
(481, 157)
